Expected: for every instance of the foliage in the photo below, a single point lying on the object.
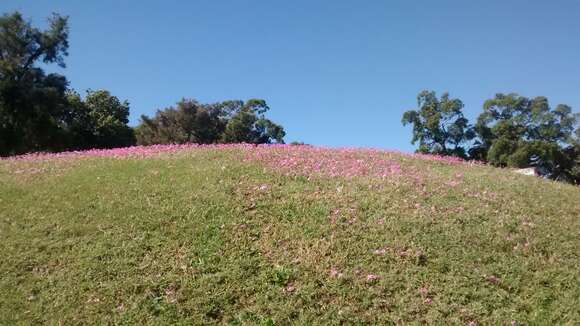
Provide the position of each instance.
(519, 118)
(192, 122)
(32, 104)
(249, 125)
(512, 131)
(439, 125)
(37, 111)
(572, 157)
(100, 121)
(517, 131)
(188, 122)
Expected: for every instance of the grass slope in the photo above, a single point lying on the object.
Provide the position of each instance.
(203, 236)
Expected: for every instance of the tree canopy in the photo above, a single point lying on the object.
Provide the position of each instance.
(439, 125)
(38, 112)
(248, 124)
(512, 130)
(518, 131)
(100, 120)
(32, 104)
(222, 122)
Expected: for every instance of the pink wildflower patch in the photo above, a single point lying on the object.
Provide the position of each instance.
(125, 152)
(339, 162)
(308, 161)
(305, 161)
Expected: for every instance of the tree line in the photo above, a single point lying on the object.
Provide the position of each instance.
(40, 112)
(511, 131)
(222, 122)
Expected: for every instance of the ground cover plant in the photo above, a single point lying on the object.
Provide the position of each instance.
(275, 235)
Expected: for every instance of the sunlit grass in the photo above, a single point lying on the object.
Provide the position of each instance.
(271, 235)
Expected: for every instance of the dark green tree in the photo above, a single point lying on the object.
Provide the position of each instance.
(188, 122)
(572, 154)
(439, 125)
(32, 104)
(249, 125)
(517, 131)
(100, 121)
(192, 122)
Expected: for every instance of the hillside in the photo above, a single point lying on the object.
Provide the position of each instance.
(237, 234)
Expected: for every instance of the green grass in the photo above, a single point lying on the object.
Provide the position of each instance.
(202, 237)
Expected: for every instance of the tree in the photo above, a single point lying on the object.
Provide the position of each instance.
(439, 125)
(249, 125)
(517, 131)
(572, 154)
(192, 122)
(188, 122)
(100, 121)
(32, 104)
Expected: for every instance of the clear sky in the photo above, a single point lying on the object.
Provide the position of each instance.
(337, 73)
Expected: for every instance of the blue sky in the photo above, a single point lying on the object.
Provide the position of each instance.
(336, 73)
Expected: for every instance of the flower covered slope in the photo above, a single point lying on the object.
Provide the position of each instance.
(243, 235)
(288, 159)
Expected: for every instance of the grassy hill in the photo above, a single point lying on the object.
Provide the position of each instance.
(285, 234)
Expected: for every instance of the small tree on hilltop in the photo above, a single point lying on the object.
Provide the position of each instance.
(187, 122)
(226, 122)
(249, 125)
(439, 125)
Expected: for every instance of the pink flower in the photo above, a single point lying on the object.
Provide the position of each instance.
(307, 161)
(263, 187)
(289, 288)
(372, 277)
(452, 183)
(492, 279)
(335, 273)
